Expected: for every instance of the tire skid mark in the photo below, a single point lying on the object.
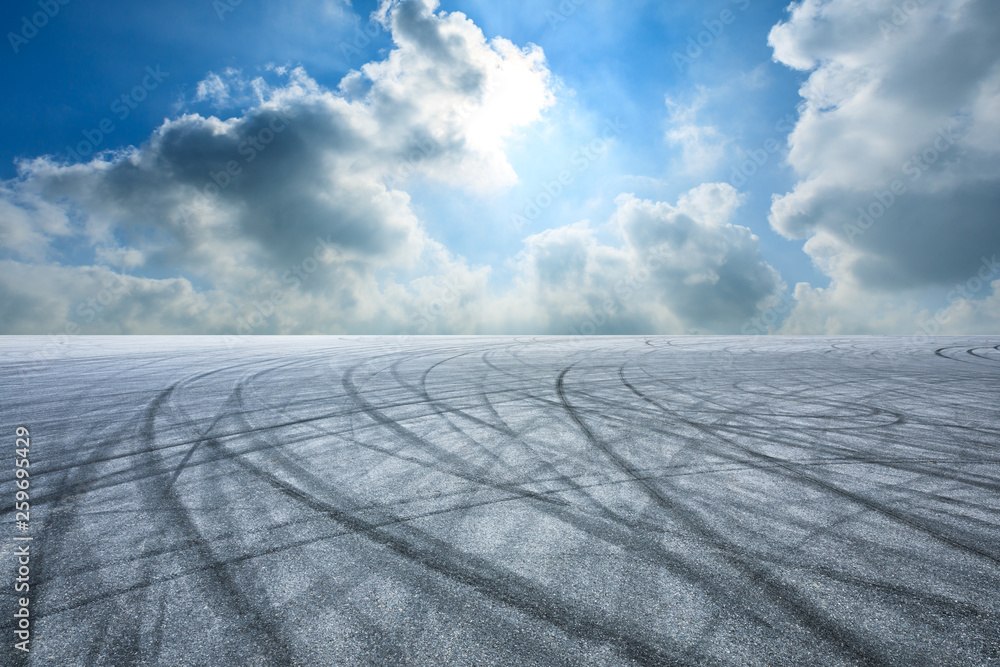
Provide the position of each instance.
(773, 431)
(228, 455)
(840, 639)
(447, 410)
(632, 540)
(879, 508)
(470, 570)
(587, 497)
(941, 353)
(271, 426)
(509, 435)
(137, 473)
(522, 443)
(594, 530)
(980, 356)
(618, 460)
(221, 585)
(436, 466)
(453, 465)
(488, 403)
(100, 448)
(911, 465)
(190, 452)
(64, 509)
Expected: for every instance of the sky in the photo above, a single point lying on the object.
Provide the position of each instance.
(529, 167)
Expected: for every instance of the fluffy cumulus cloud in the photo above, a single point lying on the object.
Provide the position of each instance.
(898, 153)
(300, 198)
(289, 212)
(681, 268)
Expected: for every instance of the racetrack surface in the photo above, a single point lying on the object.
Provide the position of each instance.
(512, 501)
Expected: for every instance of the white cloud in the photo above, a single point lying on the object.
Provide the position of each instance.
(29, 223)
(236, 205)
(445, 85)
(231, 89)
(212, 88)
(897, 151)
(978, 316)
(680, 268)
(90, 299)
(703, 147)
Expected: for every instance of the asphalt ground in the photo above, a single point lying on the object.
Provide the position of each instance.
(508, 501)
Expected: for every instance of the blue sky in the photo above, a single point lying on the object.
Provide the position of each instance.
(827, 94)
